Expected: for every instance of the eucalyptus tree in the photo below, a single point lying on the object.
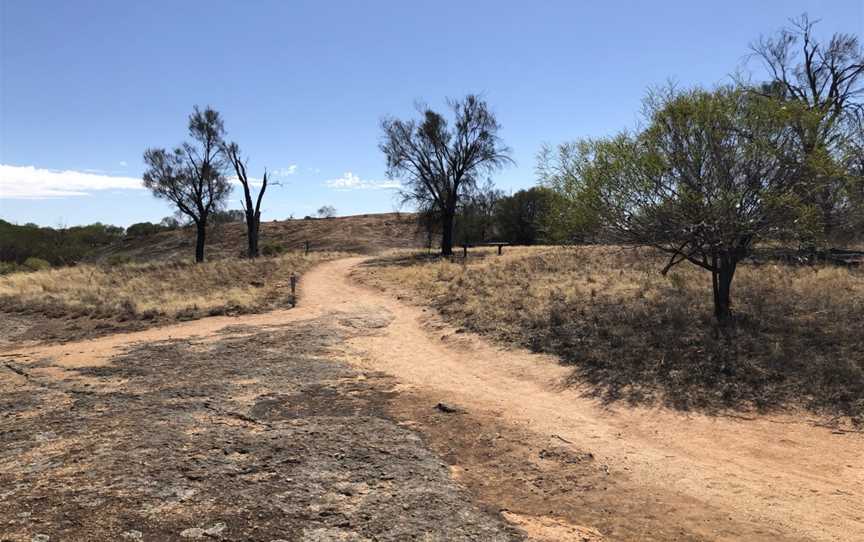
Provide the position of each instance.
(192, 176)
(439, 164)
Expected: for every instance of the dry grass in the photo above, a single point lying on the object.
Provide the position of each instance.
(153, 291)
(361, 233)
(633, 334)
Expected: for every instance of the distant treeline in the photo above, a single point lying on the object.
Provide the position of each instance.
(527, 217)
(46, 246)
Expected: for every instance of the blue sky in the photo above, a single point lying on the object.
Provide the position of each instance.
(86, 86)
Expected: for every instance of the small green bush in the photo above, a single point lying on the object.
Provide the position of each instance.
(9, 267)
(36, 264)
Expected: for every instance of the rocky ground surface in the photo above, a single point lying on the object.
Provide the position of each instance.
(253, 435)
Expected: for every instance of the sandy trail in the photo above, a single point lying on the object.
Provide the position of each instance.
(778, 471)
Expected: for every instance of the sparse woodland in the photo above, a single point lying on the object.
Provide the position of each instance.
(698, 213)
(646, 330)
(708, 275)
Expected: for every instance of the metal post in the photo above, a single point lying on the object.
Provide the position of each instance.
(293, 290)
(306, 244)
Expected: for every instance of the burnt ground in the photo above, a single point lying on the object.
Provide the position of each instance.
(253, 435)
(21, 325)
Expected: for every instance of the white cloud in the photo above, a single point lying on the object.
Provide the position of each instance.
(123, 163)
(253, 181)
(285, 171)
(349, 181)
(30, 182)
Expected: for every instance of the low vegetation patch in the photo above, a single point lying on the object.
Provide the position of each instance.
(633, 334)
(158, 290)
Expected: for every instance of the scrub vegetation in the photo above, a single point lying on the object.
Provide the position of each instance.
(634, 335)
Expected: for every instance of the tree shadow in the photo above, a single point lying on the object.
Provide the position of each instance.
(657, 353)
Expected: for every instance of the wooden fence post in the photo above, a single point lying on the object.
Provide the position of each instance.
(306, 245)
(293, 290)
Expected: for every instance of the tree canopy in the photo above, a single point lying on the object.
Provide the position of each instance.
(712, 172)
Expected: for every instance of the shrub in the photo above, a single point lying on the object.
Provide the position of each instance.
(141, 229)
(9, 267)
(36, 264)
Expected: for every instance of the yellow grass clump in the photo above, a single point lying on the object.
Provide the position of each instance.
(148, 291)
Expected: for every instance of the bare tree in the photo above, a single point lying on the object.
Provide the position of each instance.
(192, 176)
(251, 208)
(438, 164)
(822, 84)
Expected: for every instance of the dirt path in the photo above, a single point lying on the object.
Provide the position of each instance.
(726, 478)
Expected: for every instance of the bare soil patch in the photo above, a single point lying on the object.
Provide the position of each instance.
(553, 489)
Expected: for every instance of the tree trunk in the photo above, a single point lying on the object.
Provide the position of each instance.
(721, 280)
(253, 224)
(200, 237)
(447, 219)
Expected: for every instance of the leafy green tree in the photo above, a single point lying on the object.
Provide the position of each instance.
(570, 171)
(853, 164)
(475, 218)
(524, 218)
(711, 174)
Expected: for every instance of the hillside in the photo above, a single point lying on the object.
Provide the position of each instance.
(360, 233)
